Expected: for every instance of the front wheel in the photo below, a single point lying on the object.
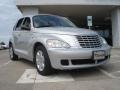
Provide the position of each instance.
(12, 55)
(42, 61)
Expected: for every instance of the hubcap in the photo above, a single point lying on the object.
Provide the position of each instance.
(11, 52)
(40, 60)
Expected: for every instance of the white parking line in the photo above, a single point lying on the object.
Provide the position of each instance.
(114, 56)
(108, 74)
(5, 64)
(115, 62)
(31, 76)
(117, 72)
(28, 76)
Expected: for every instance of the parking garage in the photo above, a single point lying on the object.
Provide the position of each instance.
(105, 14)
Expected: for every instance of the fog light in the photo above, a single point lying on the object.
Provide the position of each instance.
(65, 62)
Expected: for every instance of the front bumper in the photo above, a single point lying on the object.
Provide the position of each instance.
(71, 54)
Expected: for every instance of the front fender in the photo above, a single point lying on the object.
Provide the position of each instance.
(40, 38)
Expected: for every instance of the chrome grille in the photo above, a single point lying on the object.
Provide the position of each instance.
(89, 41)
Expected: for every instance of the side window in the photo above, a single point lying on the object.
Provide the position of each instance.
(26, 24)
(18, 25)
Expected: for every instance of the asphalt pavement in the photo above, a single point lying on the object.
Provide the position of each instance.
(22, 75)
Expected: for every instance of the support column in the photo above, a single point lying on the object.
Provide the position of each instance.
(29, 10)
(116, 27)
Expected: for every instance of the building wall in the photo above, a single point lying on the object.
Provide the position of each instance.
(28, 11)
(67, 2)
(116, 27)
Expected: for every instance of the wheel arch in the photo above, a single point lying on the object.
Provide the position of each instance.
(36, 44)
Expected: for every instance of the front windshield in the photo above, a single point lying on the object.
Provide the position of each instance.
(51, 21)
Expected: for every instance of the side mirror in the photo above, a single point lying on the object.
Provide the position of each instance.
(25, 28)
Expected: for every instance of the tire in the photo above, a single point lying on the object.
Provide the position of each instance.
(42, 61)
(12, 55)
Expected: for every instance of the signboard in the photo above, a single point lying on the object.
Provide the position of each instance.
(89, 21)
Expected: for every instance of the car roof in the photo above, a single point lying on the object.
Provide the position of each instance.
(39, 14)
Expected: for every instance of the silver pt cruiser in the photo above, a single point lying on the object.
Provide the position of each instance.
(54, 42)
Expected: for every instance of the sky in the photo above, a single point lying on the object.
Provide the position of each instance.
(9, 14)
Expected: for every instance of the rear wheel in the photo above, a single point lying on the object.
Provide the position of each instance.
(12, 55)
(42, 61)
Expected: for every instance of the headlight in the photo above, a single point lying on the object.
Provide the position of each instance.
(57, 44)
(103, 40)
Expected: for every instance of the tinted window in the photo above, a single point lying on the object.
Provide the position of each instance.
(19, 23)
(51, 21)
(26, 24)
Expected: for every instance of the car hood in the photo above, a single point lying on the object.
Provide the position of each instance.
(64, 30)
